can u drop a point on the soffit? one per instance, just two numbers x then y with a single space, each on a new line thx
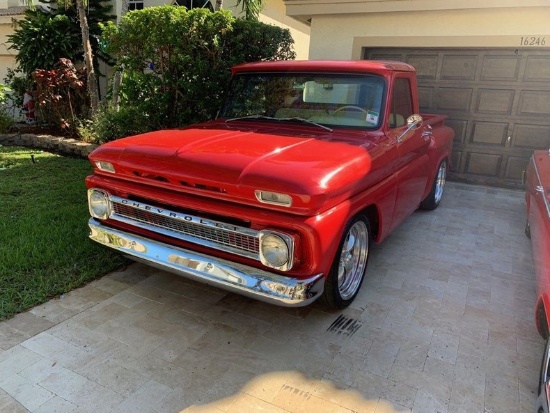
304 10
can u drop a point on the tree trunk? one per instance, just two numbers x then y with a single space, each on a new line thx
88 58
219 5
117 80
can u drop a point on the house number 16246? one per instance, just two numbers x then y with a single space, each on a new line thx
533 41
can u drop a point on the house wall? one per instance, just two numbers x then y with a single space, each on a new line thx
7 57
274 12
344 36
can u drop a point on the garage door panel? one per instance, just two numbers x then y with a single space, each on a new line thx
528 136
387 56
460 128
489 133
515 167
459 67
537 69
484 164
425 97
500 68
456 159
534 103
454 99
495 101
425 65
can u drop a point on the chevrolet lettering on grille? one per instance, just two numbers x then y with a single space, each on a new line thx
184 217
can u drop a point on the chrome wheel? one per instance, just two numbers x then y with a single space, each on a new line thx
353 260
438 185
440 182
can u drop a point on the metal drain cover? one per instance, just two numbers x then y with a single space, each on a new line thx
344 325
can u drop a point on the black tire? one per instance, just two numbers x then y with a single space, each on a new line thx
433 199
348 268
527 229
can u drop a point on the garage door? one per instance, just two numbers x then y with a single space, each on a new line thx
498 102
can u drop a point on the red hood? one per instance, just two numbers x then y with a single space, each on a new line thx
317 171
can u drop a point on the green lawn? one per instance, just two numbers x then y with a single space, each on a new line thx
44 245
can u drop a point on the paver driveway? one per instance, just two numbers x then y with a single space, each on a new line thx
443 323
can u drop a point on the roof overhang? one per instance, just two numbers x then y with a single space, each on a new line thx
304 10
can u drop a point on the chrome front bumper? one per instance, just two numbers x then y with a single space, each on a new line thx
242 279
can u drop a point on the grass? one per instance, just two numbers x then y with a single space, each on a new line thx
44 246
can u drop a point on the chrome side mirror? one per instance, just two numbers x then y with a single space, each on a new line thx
414 121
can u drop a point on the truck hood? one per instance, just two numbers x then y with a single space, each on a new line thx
316 170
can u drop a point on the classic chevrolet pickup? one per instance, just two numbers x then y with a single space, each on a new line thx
280 197
537 197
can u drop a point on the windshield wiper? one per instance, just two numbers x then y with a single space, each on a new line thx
293 119
251 117
309 122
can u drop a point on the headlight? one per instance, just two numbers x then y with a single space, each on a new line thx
99 204
276 250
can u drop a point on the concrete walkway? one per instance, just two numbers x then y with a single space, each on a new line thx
443 323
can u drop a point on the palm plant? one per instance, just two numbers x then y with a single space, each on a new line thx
251 8
93 89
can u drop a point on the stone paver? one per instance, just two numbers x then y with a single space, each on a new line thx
443 323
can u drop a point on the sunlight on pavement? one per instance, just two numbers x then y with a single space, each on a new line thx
290 391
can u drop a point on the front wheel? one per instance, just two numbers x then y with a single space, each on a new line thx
348 269
433 199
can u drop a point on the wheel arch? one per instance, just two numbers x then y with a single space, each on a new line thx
373 215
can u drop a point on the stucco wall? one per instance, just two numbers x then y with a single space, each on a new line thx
274 12
7 57
343 36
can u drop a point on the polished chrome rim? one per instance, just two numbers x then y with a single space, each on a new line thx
353 260
440 181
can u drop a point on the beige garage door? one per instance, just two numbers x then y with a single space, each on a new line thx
498 102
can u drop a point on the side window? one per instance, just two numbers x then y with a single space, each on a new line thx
401 105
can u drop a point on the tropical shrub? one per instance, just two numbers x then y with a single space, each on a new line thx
60 95
46 35
176 61
110 124
41 39
6 121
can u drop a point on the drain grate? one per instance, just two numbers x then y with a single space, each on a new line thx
344 325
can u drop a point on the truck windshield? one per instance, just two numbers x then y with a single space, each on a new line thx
334 100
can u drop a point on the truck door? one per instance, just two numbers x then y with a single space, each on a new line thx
412 166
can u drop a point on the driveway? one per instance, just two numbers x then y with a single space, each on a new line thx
443 323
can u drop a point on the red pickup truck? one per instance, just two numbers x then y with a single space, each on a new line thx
537 197
280 197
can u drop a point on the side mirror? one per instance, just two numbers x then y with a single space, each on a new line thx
414 121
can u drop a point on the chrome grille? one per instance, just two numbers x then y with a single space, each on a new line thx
191 228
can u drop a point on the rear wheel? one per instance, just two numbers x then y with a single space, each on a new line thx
436 194
348 269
